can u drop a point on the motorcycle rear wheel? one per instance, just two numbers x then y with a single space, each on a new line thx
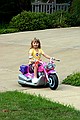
53 81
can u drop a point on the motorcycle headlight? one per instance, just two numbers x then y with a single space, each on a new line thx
51 66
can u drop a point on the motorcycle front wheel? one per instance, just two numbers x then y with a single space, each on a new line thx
53 81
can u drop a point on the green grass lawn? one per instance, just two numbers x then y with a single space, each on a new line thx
20 106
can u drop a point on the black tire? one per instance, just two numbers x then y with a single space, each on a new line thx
53 81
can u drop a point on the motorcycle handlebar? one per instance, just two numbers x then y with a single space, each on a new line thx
53 59
57 60
39 61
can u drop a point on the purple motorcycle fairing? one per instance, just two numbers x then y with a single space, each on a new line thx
23 69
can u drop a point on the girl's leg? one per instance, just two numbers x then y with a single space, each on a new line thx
35 71
35 79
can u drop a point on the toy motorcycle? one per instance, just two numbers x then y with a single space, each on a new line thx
46 74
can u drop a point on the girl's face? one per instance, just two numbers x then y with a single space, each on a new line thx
35 44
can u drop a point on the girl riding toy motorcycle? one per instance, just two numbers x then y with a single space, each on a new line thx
46 73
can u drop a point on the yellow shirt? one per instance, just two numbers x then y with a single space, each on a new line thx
36 54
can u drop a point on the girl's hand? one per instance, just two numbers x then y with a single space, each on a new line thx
52 59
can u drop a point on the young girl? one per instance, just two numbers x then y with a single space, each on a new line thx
35 53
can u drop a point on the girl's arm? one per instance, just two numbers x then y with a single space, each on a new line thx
31 59
46 56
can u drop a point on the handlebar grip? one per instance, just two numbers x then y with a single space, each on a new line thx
57 60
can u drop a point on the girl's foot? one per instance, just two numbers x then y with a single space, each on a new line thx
35 80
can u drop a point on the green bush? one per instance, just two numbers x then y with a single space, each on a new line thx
72 79
75 13
30 21
60 19
38 21
8 30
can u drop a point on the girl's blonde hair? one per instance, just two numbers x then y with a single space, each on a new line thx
35 40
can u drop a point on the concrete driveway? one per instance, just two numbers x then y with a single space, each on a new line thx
62 43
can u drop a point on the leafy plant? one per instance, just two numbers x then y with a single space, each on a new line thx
75 13
8 30
72 79
60 19
38 21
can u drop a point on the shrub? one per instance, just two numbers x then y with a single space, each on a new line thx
30 21
8 30
75 13
60 19
72 79
38 21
